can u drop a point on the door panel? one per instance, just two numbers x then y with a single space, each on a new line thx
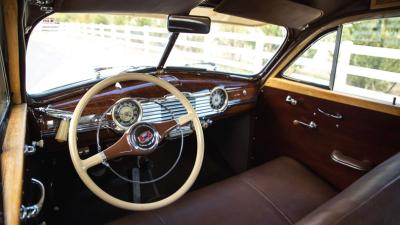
361 134
12 162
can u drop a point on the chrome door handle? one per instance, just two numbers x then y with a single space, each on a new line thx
310 125
336 115
342 159
291 100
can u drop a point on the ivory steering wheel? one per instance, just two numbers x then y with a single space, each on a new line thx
140 139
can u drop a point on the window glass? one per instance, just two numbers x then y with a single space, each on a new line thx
231 48
67 48
4 95
315 64
369 60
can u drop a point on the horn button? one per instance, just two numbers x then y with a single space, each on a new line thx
144 137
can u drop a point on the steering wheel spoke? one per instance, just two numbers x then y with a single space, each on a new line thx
164 128
185 119
121 148
93 161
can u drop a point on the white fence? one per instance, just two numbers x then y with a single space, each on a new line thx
243 58
344 68
155 39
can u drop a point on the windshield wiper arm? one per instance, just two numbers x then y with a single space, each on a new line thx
98 70
203 65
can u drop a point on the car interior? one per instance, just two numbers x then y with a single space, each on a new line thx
208 112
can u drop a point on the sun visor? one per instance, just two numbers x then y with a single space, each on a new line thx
126 6
280 12
224 18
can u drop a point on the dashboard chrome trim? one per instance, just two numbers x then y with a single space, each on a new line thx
151 110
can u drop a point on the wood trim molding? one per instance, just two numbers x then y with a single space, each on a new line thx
292 86
12 163
11 30
375 4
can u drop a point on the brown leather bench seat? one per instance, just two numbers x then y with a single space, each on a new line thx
284 192
281 191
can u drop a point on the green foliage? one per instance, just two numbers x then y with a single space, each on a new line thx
391 65
384 33
370 84
121 20
100 19
273 30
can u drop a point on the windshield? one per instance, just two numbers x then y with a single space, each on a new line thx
229 48
69 48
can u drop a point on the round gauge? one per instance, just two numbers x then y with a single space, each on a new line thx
218 99
126 112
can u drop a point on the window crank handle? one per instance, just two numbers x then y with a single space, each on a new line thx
310 125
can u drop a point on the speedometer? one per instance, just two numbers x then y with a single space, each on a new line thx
126 112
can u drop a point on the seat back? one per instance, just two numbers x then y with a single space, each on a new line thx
373 199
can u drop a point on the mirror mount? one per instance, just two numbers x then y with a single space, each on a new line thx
189 24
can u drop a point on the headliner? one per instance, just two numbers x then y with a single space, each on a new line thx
125 6
296 14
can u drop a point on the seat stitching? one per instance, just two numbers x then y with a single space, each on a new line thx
265 196
367 200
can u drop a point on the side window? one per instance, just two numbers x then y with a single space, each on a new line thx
369 60
4 94
314 65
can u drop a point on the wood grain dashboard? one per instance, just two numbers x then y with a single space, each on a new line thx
242 96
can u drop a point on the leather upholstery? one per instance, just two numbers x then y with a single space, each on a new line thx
284 192
279 192
372 200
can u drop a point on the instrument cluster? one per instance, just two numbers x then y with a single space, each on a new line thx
126 112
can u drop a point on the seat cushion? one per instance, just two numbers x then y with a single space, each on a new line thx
281 191
374 199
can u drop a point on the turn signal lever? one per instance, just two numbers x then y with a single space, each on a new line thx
29 212
65 116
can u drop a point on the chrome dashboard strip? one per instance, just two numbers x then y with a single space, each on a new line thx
152 111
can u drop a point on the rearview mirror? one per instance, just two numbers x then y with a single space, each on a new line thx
189 24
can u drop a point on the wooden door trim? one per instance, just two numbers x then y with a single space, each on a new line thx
292 86
11 31
12 163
